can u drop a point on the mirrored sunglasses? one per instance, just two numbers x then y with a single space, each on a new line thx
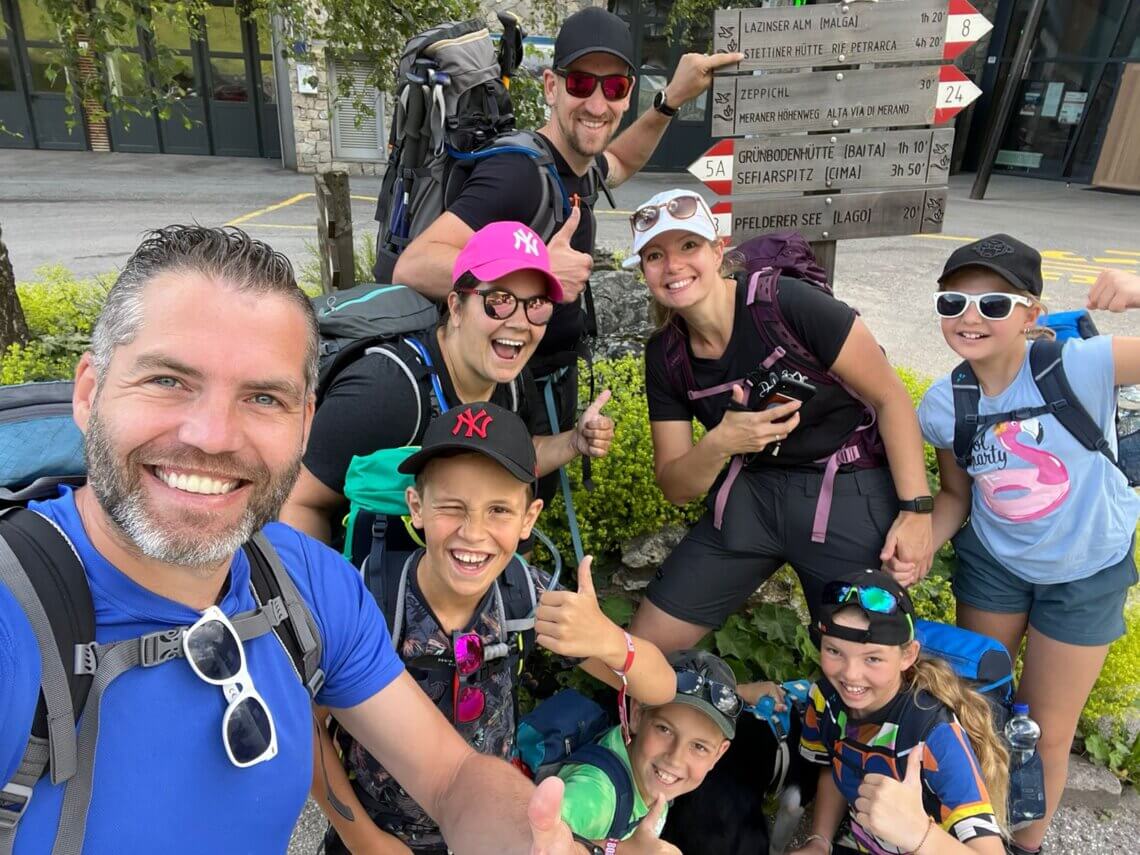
500 305
215 653
721 696
993 305
679 208
870 597
581 84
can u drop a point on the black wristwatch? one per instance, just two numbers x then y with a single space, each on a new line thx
918 505
591 847
661 107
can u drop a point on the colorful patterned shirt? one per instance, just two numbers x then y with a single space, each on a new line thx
953 789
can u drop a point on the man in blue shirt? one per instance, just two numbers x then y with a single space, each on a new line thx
196 399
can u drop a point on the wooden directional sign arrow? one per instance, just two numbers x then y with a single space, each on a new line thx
821 162
845 215
839 33
827 100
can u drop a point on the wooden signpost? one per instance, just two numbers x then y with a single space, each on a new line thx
815 128
828 100
840 34
838 217
827 162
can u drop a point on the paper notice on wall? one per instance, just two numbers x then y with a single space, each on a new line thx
1072 108
1052 100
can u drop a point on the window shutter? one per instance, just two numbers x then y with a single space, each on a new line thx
350 141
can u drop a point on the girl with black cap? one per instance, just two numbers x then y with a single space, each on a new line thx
912 754
1047 553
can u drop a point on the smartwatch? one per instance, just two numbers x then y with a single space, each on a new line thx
918 505
661 107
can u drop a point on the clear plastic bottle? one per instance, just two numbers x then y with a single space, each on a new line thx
1026 774
1128 409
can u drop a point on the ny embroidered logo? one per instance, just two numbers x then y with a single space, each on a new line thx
476 423
527 241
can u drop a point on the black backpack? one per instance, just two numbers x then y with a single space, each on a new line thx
1059 399
41 567
453 110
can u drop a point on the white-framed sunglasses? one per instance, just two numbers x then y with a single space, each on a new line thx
216 655
993 305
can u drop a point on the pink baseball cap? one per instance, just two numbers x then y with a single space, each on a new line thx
505 247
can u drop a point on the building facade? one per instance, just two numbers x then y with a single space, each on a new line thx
1077 106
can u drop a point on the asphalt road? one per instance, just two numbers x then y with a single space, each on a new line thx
87 211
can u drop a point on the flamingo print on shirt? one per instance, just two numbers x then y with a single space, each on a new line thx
1026 492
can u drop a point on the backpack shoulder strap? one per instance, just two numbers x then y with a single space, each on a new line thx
392 584
520 599
611 766
298 633
967 396
41 568
677 365
1049 374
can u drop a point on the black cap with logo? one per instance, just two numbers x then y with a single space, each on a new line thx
889 611
593 30
481 428
1017 263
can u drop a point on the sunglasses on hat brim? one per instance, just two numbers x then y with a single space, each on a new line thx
723 698
679 208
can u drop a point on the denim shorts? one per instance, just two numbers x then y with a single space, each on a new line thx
1088 612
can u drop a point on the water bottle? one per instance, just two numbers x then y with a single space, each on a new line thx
1026 775
1128 409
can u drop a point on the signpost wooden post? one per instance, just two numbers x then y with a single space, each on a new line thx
837 128
334 231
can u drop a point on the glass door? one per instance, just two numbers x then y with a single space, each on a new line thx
44 80
15 120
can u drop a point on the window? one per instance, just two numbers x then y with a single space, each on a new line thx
350 140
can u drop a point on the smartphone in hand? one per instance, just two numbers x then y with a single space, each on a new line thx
788 390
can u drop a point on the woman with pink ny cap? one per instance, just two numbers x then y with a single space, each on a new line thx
778 489
503 296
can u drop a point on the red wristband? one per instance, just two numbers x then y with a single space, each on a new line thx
628 656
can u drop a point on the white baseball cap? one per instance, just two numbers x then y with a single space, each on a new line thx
701 221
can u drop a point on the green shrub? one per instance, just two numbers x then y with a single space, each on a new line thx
626 500
1116 695
363 258
60 311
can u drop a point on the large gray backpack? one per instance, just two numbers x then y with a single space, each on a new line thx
453 110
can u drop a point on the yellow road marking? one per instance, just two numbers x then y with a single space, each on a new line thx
1122 252
363 198
946 237
614 213
278 226
1118 260
277 207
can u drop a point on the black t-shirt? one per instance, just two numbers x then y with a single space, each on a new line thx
506 187
821 322
371 405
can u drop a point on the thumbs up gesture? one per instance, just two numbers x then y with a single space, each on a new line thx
571 623
548 833
892 810
594 433
644 839
570 266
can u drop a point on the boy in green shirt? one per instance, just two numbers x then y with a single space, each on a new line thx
673 747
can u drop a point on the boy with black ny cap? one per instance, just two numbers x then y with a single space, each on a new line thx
473 498
588 90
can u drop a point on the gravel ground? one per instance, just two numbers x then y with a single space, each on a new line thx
1075 830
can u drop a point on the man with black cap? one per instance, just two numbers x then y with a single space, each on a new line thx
588 90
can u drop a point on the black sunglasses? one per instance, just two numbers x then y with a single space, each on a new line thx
581 84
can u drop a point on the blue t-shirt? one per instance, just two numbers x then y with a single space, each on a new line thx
1043 505
20 673
163 781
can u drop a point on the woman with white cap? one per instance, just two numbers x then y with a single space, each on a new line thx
789 458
